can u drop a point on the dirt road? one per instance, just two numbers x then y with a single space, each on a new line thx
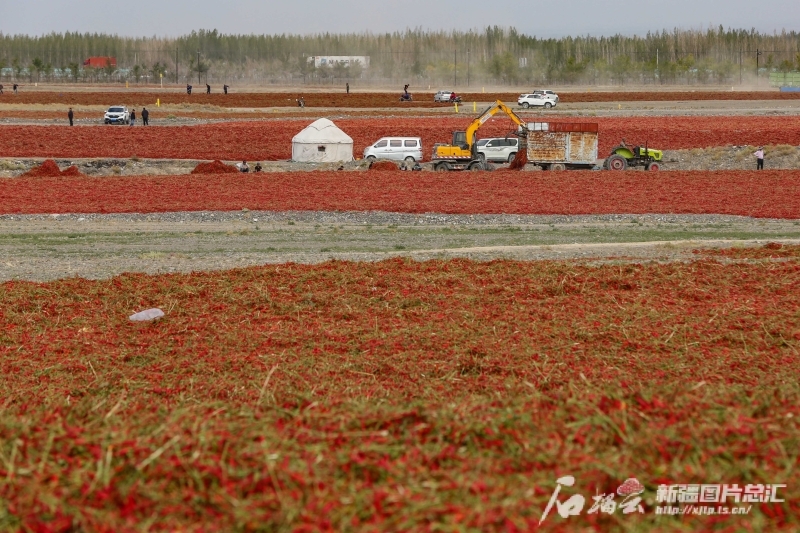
43 247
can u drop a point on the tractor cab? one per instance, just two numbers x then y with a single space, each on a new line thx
623 157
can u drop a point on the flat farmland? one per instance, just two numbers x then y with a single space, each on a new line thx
364 350
336 97
271 139
766 194
399 395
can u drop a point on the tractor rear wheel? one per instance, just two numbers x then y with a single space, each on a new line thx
476 165
442 167
653 166
616 162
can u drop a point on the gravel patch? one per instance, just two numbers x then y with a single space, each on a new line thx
716 158
387 218
97 246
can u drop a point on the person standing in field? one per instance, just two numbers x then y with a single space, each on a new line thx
133 117
208 89
145 116
347 86
15 88
70 116
1 88
759 158
225 89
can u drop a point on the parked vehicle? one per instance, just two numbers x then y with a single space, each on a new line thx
622 157
502 149
535 100
407 149
117 115
547 94
446 97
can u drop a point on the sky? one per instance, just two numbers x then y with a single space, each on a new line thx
551 18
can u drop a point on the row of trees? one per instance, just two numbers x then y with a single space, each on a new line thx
38 70
492 56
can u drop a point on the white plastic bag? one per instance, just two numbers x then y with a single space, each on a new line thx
147 314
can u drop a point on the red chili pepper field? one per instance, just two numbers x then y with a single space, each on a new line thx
342 100
766 194
401 395
272 139
397 395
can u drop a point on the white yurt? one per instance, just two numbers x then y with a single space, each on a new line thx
322 141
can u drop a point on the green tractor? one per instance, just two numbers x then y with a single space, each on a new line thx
623 157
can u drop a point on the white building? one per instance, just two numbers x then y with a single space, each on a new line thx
329 61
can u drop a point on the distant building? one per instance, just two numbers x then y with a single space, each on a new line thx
100 62
329 61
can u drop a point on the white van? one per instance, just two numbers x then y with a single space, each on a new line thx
396 148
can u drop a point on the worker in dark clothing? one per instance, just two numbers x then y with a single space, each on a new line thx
225 89
301 102
258 167
188 89
133 117
15 88
145 116
208 89
347 85
70 116
1 88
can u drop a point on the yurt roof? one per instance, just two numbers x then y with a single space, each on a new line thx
322 131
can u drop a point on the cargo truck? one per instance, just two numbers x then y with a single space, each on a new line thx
562 145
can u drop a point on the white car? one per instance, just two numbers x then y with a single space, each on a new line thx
535 100
502 149
444 96
547 94
117 114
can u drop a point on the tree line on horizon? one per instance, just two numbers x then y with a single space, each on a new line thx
496 56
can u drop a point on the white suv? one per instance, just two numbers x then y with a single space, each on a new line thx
536 100
548 94
117 114
502 149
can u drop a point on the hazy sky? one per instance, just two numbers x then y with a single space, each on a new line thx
551 18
